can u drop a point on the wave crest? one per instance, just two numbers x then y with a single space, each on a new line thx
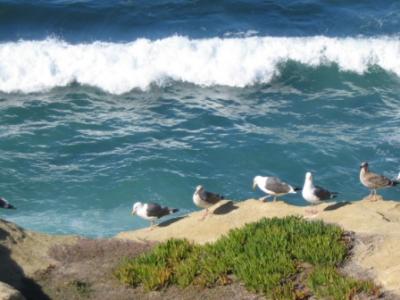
30 66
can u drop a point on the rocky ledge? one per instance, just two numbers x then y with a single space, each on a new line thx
376 225
376 253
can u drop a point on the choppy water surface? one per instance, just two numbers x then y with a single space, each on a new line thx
174 94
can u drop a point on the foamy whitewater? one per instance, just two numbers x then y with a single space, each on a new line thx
31 66
106 103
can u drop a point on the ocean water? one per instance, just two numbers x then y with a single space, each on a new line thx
104 103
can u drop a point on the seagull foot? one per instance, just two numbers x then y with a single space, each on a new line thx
312 211
264 199
310 216
203 217
374 198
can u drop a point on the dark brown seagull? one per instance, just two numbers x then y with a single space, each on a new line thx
374 181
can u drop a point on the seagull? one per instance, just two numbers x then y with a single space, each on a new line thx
273 186
204 199
151 211
315 194
374 181
4 204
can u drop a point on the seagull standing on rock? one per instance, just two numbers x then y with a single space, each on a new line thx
4 204
374 181
315 194
204 199
273 186
151 211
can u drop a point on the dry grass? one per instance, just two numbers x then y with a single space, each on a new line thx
83 269
88 249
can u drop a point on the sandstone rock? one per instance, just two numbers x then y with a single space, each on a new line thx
7 292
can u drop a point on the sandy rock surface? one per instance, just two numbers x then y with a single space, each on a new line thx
7 292
25 248
22 254
376 225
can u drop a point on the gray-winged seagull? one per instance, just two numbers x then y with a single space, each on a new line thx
4 204
273 186
315 194
204 199
374 181
151 211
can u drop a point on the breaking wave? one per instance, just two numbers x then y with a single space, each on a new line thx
32 66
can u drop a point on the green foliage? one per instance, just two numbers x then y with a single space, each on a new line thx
265 256
327 283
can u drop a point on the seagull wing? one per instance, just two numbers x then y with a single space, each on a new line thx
213 198
378 180
324 194
277 186
155 210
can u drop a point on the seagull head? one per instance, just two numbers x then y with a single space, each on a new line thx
309 177
364 165
135 207
256 181
199 189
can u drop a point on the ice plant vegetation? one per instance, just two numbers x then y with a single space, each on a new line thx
287 258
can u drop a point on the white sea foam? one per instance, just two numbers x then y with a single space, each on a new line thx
30 66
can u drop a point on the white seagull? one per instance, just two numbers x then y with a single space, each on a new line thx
4 204
204 199
151 211
273 186
315 194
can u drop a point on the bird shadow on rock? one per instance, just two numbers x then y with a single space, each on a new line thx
336 205
170 221
12 274
225 208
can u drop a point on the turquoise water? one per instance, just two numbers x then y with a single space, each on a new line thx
87 127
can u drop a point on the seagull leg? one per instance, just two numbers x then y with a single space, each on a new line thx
263 199
274 198
312 211
205 214
374 195
152 225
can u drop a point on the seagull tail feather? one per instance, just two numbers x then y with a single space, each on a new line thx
297 189
334 194
173 210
